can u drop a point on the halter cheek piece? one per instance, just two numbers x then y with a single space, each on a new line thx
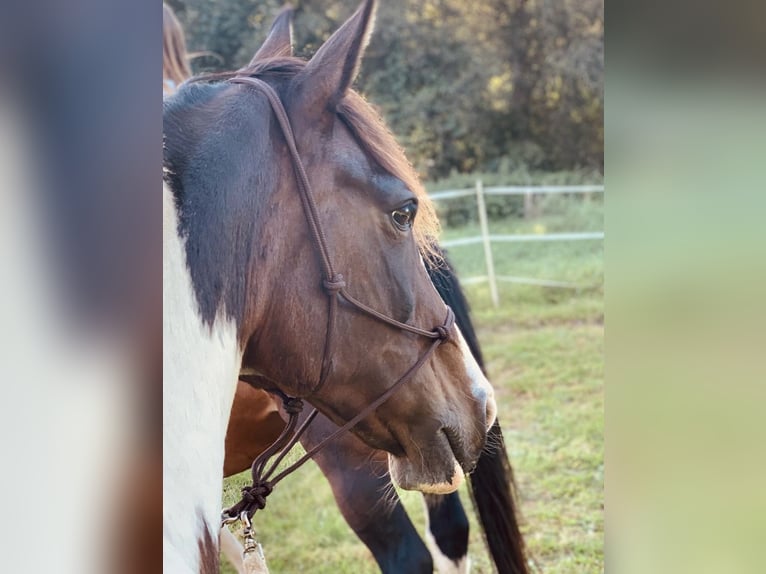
254 496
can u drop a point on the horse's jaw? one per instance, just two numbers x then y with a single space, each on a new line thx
200 366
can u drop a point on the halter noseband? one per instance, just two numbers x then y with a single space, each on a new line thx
254 496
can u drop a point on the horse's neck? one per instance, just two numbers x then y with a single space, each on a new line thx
200 366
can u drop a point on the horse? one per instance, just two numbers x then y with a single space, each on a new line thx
274 177
360 481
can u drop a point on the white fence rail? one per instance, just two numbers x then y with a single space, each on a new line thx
517 190
526 237
486 239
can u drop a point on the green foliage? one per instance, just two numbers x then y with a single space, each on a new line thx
485 85
227 32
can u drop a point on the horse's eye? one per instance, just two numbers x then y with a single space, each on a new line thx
405 215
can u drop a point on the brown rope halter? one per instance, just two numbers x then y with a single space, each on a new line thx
264 480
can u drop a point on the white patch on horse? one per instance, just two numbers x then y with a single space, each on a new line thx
444 564
480 387
200 366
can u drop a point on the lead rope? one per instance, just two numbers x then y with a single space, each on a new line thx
263 478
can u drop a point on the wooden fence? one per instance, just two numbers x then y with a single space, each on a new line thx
486 239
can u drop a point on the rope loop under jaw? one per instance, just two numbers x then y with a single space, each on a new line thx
444 332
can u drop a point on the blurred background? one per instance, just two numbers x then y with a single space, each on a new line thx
81 137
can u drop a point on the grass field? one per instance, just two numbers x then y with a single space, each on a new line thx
544 354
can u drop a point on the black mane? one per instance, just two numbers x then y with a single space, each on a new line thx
217 156
447 284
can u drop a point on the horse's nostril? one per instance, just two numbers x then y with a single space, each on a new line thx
486 402
480 395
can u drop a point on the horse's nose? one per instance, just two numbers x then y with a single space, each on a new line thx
487 410
481 389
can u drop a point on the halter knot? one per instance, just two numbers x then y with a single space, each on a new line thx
443 333
255 496
335 284
292 405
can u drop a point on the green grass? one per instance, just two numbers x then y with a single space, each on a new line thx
544 354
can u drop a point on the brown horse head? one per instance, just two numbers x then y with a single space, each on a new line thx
251 255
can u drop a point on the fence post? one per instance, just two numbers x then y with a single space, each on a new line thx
529 199
529 205
482 209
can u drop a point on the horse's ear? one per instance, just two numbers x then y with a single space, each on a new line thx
329 74
279 42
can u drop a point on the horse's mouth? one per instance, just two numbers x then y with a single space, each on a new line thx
458 450
439 469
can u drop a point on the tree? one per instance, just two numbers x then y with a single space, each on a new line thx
464 85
